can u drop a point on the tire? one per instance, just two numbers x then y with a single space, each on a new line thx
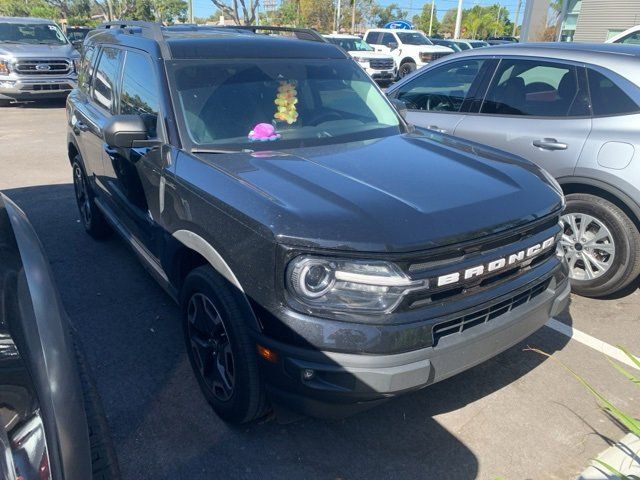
104 463
405 69
91 217
210 341
610 238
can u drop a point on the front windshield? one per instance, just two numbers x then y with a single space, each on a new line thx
413 38
278 104
352 44
31 33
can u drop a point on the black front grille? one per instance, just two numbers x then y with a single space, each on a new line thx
45 66
463 323
381 63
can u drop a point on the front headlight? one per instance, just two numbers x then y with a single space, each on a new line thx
361 59
76 64
348 285
4 67
426 57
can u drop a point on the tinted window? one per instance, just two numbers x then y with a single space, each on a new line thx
351 44
372 37
532 87
632 38
388 38
607 98
442 89
105 77
139 94
31 33
85 70
413 38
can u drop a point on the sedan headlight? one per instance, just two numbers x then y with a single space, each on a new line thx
348 285
4 67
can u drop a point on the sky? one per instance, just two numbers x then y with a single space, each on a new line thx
204 8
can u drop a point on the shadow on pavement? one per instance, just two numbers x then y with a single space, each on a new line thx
40 104
163 428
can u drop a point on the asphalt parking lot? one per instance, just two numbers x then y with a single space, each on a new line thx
516 416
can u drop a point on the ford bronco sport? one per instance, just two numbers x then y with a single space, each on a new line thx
36 60
326 255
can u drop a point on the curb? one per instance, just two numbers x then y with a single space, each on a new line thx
623 456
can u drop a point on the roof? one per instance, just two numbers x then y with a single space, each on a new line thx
569 51
393 30
342 35
26 20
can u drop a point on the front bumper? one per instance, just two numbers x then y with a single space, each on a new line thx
34 88
382 75
331 384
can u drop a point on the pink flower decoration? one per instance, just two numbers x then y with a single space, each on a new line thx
263 132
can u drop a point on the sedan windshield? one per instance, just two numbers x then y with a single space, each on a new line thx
352 44
32 33
413 38
278 104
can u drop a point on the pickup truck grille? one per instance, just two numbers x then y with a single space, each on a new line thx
44 66
381 63
463 323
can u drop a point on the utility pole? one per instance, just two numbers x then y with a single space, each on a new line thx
495 30
433 6
456 34
515 22
353 17
190 11
338 18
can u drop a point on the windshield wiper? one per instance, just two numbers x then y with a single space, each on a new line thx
207 150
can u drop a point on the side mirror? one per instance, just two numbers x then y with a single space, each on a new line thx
124 131
77 44
392 45
400 106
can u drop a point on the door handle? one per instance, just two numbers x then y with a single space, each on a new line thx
550 144
436 128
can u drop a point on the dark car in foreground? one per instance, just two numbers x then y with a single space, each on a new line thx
326 255
51 421
572 108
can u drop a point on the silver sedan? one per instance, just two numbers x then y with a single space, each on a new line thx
574 109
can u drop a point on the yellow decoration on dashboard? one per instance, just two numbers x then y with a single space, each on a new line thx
286 101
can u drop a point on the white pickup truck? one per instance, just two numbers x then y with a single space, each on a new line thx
410 49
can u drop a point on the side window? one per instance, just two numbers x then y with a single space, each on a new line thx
106 77
140 93
388 38
372 38
537 88
85 68
632 39
443 89
607 98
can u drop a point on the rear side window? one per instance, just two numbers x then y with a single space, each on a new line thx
139 94
388 38
607 98
85 70
105 78
443 89
631 39
537 88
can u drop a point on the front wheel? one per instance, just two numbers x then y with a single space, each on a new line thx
601 245
405 69
221 352
91 217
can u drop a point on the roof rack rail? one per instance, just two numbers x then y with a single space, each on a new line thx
300 33
150 30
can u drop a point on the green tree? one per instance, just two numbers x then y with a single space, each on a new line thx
318 14
28 8
423 20
448 24
384 15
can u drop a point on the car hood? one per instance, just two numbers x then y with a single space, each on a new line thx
399 193
361 54
19 50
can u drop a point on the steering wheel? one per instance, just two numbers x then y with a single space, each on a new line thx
440 103
323 117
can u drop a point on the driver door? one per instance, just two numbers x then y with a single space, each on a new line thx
438 98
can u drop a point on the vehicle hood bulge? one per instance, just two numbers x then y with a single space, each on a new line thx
37 51
400 193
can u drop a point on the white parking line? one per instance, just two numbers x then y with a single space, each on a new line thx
592 342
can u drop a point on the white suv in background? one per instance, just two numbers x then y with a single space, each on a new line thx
410 49
380 66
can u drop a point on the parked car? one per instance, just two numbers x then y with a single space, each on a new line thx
504 38
630 36
410 49
379 66
573 109
36 60
326 256
452 44
51 421
76 35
